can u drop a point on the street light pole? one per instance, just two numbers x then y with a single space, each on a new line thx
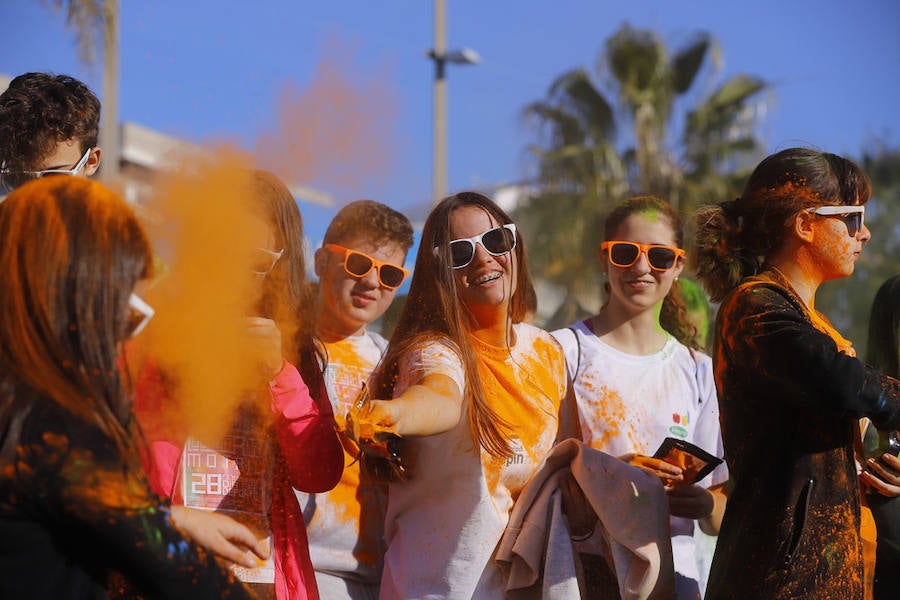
441 57
439 123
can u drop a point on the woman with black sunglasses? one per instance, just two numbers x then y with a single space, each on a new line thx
639 377
474 392
792 391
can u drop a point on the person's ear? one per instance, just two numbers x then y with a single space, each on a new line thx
319 259
802 226
604 262
679 267
93 161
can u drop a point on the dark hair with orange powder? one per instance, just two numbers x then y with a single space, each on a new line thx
434 311
71 255
673 316
735 238
883 347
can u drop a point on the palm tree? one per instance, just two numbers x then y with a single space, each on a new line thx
593 152
579 170
90 19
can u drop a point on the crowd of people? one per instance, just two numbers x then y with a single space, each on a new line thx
468 454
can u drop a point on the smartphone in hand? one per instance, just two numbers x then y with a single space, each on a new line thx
695 462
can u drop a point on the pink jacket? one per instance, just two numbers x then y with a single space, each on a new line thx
310 459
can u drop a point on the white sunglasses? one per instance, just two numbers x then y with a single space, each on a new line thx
141 315
497 241
73 171
265 261
852 216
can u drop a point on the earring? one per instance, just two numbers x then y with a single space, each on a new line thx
676 278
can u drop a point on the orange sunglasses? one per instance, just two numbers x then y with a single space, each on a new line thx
359 264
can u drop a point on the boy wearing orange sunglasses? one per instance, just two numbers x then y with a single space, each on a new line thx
360 267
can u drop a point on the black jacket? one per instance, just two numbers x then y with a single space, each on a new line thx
71 514
789 404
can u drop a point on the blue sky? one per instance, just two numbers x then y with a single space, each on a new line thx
209 70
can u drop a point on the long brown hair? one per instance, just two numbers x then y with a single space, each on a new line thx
673 316
434 311
71 254
287 295
735 238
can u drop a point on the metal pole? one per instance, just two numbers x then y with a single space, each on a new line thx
109 126
439 123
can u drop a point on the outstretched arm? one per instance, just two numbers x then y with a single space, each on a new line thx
433 405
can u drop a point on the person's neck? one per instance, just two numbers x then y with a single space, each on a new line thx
493 328
331 333
638 333
801 273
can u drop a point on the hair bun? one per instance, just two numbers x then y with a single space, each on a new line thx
730 208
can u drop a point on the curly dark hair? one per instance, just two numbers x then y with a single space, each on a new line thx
39 110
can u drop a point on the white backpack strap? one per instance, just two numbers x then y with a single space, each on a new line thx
578 345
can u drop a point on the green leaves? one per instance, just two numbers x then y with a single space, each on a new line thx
591 152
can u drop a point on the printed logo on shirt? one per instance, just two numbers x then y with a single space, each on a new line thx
680 427
516 459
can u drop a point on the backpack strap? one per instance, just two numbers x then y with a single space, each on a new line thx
578 345
696 358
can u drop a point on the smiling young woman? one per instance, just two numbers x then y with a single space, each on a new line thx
475 392
638 375
791 388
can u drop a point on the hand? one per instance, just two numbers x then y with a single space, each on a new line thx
221 535
886 477
690 501
376 417
668 473
264 343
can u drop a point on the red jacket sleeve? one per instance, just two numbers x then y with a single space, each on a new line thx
159 419
314 457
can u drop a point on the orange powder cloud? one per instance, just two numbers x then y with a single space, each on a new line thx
337 131
209 232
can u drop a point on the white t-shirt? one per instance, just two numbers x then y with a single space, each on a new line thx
345 525
444 524
630 404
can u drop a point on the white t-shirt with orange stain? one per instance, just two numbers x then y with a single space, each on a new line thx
630 404
345 525
444 524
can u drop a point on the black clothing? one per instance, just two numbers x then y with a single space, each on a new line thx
72 513
789 404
